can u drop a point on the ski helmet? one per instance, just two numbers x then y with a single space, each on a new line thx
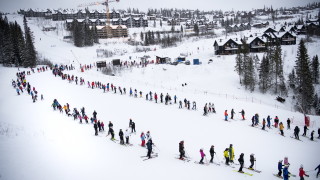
301 166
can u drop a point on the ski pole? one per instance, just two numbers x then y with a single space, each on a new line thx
206 159
156 147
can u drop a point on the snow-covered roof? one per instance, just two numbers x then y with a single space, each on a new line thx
250 39
300 26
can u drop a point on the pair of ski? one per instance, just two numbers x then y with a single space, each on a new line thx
185 159
151 157
243 173
281 177
296 138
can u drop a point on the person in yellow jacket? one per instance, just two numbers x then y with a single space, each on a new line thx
281 127
226 155
231 153
65 109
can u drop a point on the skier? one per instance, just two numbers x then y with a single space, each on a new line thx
296 132
127 134
311 138
95 126
252 160
181 150
231 153
285 173
133 127
281 127
226 115
202 156
205 110
276 121
102 124
99 125
180 104
143 139
305 128
121 137
94 114
149 147
302 173
242 114
256 118
156 97
241 161
268 121
252 120
194 106
212 152
175 99
161 97
213 109
148 136
130 122
263 124
318 167
288 123
226 156
232 113
110 125
280 168
112 133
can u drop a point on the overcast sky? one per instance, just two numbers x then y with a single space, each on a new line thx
13 5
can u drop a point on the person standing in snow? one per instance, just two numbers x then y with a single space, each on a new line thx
226 156
280 168
133 127
156 97
252 160
242 114
226 115
130 122
161 97
175 99
288 123
241 161
232 113
231 153
127 134
202 156
256 118
311 138
180 104
95 126
296 132
285 173
110 125
194 106
102 125
305 128
181 150
112 133
268 121
302 173
121 137
281 127
94 114
276 121
212 152
263 124
143 139
149 147
205 110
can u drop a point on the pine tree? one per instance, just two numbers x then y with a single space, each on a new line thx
278 69
239 63
315 69
248 69
292 79
264 74
160 23
141 36
18 44
305 87
7 44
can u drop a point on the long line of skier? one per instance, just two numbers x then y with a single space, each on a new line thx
150 96
21 84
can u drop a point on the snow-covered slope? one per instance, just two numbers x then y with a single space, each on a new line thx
39 143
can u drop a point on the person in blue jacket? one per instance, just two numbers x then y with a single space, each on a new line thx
318 170
285 173
280 168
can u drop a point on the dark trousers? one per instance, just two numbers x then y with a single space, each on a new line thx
281 132
133 129
121 140
212 156
252 163
96 132
296 136
263 126
280 172
149 153
241 166
227 160
201 161
127 140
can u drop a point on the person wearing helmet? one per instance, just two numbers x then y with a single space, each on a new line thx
143 139
202 156
252 160
231 153
302 173
121 137
280 168
212 152
181 150
226 156
241 161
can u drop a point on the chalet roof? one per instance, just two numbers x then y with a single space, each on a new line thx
300 26
280 34
249 40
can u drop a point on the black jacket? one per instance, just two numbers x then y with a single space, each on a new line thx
241 159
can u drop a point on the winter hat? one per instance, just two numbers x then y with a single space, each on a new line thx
301 166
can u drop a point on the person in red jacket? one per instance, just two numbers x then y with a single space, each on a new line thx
226 115
302 173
